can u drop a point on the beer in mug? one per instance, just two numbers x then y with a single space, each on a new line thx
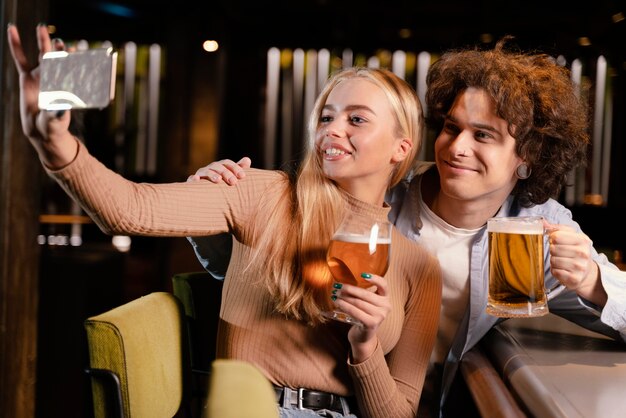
516 267
350 255
360 245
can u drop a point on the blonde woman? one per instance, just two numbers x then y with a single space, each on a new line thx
364 133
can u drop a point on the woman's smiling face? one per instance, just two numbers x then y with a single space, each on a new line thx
357 137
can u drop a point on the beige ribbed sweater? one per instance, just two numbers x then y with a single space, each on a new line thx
289 352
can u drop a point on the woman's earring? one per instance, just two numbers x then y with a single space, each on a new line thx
523 171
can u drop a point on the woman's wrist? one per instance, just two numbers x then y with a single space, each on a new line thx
58 153
363 351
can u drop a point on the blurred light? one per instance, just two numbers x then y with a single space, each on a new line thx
57 240
52 29
116 9
286 57
210 46
398 64
121 242
41 239
82 45
584 41
486 38
336 62
384 57
560 60
76 241
347 58
405 33
593 199
360 60
617 17
373 62
411 62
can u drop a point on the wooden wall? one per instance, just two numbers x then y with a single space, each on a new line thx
19 203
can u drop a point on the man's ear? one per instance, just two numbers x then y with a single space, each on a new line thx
403 150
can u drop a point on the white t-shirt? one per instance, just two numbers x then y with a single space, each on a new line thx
452 246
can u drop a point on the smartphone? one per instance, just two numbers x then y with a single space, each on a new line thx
77 80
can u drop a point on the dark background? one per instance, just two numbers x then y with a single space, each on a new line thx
435 25
246 29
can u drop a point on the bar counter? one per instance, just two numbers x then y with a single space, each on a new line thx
547 367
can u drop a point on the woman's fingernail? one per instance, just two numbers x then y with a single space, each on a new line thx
366 275
333 298
334 292
337 285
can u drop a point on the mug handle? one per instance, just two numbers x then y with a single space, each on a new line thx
554 292
558 288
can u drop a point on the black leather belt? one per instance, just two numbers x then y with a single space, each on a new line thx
311 399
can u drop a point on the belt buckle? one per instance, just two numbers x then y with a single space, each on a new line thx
300 398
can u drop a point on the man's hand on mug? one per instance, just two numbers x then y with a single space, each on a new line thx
224 170
571 263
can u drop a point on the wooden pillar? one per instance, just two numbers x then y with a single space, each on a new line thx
20 175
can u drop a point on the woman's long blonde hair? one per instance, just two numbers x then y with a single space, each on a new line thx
292 260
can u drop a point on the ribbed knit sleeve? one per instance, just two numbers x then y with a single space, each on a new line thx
389 383
119 206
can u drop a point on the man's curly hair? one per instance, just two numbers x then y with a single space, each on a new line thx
534 95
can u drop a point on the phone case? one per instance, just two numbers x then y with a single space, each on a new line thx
77 80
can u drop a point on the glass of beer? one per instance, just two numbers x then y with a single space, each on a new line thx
360 245
516 267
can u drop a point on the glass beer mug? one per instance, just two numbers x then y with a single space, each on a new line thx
360 245
516 267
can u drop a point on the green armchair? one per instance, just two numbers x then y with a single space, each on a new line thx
139 359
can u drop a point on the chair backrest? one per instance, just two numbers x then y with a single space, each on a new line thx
143 345
239 390
236 389
201 296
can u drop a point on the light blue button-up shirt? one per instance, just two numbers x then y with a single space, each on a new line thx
609 320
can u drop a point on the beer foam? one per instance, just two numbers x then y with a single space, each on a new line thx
503 225
360 239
